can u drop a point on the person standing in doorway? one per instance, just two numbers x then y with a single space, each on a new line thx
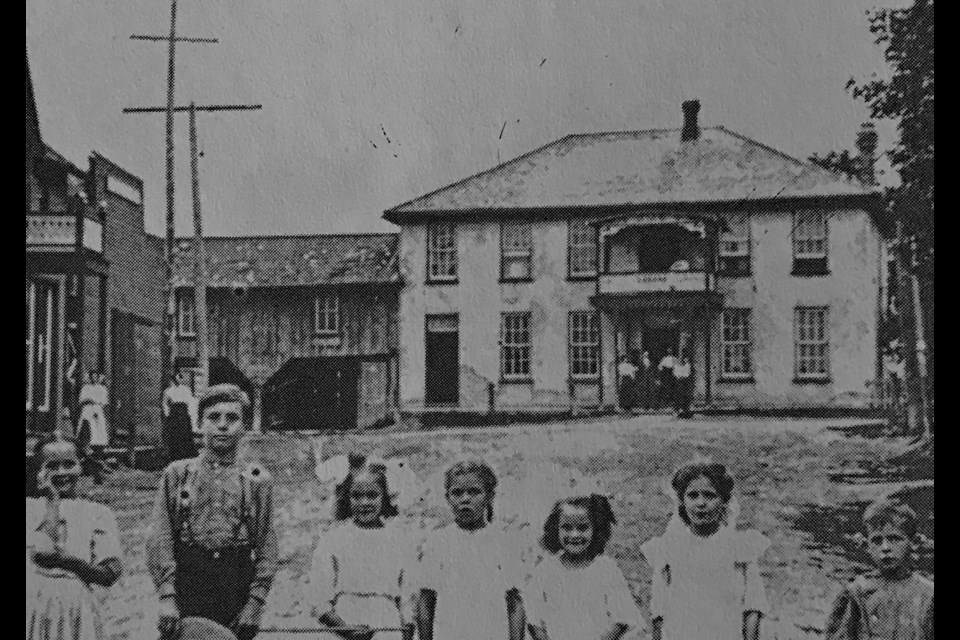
178 419
646 381
682 387
627 372
212 547
667 381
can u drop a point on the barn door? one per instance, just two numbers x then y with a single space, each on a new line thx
443 359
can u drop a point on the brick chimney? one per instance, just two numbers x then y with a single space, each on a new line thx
867 156
691 127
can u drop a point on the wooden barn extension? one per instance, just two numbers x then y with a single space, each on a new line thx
307 324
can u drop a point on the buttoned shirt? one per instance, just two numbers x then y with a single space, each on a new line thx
206 503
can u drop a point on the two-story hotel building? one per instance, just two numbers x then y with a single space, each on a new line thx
524 284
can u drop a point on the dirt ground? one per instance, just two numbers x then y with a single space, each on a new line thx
783 471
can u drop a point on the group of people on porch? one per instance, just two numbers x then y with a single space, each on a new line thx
646 385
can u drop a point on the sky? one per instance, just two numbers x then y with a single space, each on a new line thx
370 103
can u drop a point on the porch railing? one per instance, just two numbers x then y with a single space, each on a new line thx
58 232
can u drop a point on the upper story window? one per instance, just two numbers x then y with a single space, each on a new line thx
516 251
515 346
581 249
736 343
441 253
810 243
734 252
811 343
326 314
186 314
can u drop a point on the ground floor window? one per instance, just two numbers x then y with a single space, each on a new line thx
515 346
735 340
811 343
584 344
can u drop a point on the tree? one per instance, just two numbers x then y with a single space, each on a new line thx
907 38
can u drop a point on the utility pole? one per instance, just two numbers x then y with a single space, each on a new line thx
167 355
200 261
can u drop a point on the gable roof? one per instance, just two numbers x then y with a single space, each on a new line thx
32 119
634 168
291 261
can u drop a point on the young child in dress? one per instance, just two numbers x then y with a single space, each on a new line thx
578 593
359 576
72 546
706 580
895 602
470 574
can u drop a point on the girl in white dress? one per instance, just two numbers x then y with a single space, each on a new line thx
706 578
470 572
578 592
73 550
359 576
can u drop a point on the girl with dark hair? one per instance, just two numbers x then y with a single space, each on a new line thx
359 576
470 573
706 578
579 593
73 549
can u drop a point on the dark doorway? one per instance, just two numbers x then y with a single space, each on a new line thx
311 394
442 360
122 380
658 342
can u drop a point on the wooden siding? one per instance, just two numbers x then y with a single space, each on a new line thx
261 329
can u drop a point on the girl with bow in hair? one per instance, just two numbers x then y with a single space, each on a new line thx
578 592
359 579
706 578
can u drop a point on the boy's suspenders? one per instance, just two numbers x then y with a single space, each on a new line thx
180 514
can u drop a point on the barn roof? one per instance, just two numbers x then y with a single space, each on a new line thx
291 261
626 168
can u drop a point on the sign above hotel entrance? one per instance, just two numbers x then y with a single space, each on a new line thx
655 282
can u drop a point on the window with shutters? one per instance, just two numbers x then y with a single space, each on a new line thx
515 346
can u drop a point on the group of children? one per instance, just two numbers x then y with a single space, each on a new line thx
469 580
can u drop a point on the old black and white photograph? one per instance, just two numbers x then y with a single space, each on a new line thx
479 320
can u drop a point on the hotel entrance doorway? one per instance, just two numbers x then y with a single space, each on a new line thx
658 342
